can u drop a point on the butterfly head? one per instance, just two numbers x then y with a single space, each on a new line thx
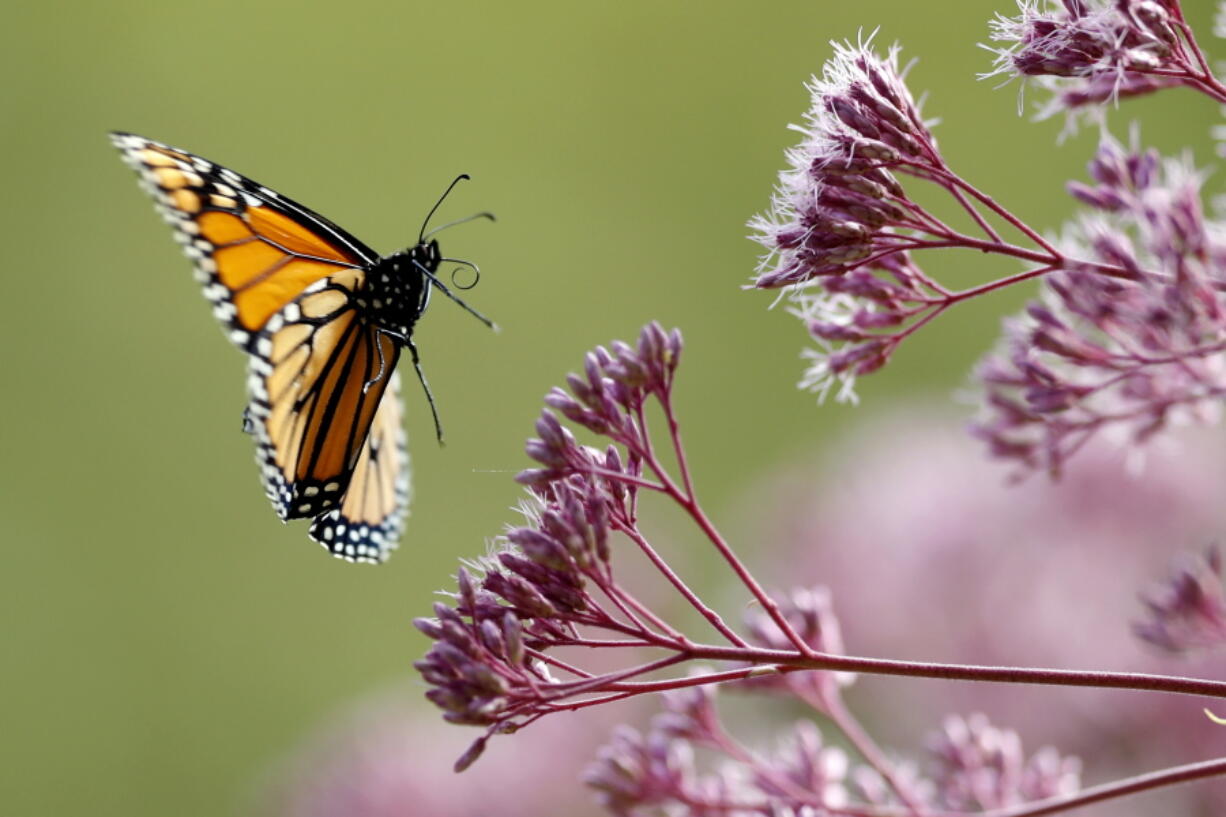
417 266
427 254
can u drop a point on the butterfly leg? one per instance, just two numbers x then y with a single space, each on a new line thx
382 367
438 427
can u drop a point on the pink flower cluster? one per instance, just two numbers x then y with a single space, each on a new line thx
551 581
1128 333
1091 52
1137 350
968 766
547 623
1189 611
979 767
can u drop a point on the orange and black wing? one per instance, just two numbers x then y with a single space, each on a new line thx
368 523
254 250
319 382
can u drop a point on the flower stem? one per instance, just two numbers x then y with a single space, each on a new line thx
688 501
956 182
1119 788
690 596
832 705
783 661
624 599
696 513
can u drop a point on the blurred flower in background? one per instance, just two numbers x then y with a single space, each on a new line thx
931 556
977 767
1187 612
1134 353
391 756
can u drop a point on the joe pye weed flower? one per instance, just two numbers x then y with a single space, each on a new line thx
1126 338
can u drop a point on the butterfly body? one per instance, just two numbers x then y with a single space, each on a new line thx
323 319
398 290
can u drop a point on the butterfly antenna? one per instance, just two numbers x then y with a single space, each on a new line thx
421 376
465 220
421 235
476 272
455 297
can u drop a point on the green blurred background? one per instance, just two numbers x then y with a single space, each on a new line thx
166 640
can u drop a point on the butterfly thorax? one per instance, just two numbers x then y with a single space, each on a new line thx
398 288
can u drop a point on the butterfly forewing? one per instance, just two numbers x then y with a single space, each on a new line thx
254 250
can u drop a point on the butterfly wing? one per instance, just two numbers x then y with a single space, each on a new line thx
254 250
368 523
320 370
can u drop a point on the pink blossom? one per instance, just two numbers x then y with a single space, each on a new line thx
1128 354
1188 612
1091 52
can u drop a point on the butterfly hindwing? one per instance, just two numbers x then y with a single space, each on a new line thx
367 525
318 371
254 250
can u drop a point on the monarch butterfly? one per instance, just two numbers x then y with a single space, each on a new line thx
322 318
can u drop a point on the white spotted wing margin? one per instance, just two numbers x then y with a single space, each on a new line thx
253 249
326 414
